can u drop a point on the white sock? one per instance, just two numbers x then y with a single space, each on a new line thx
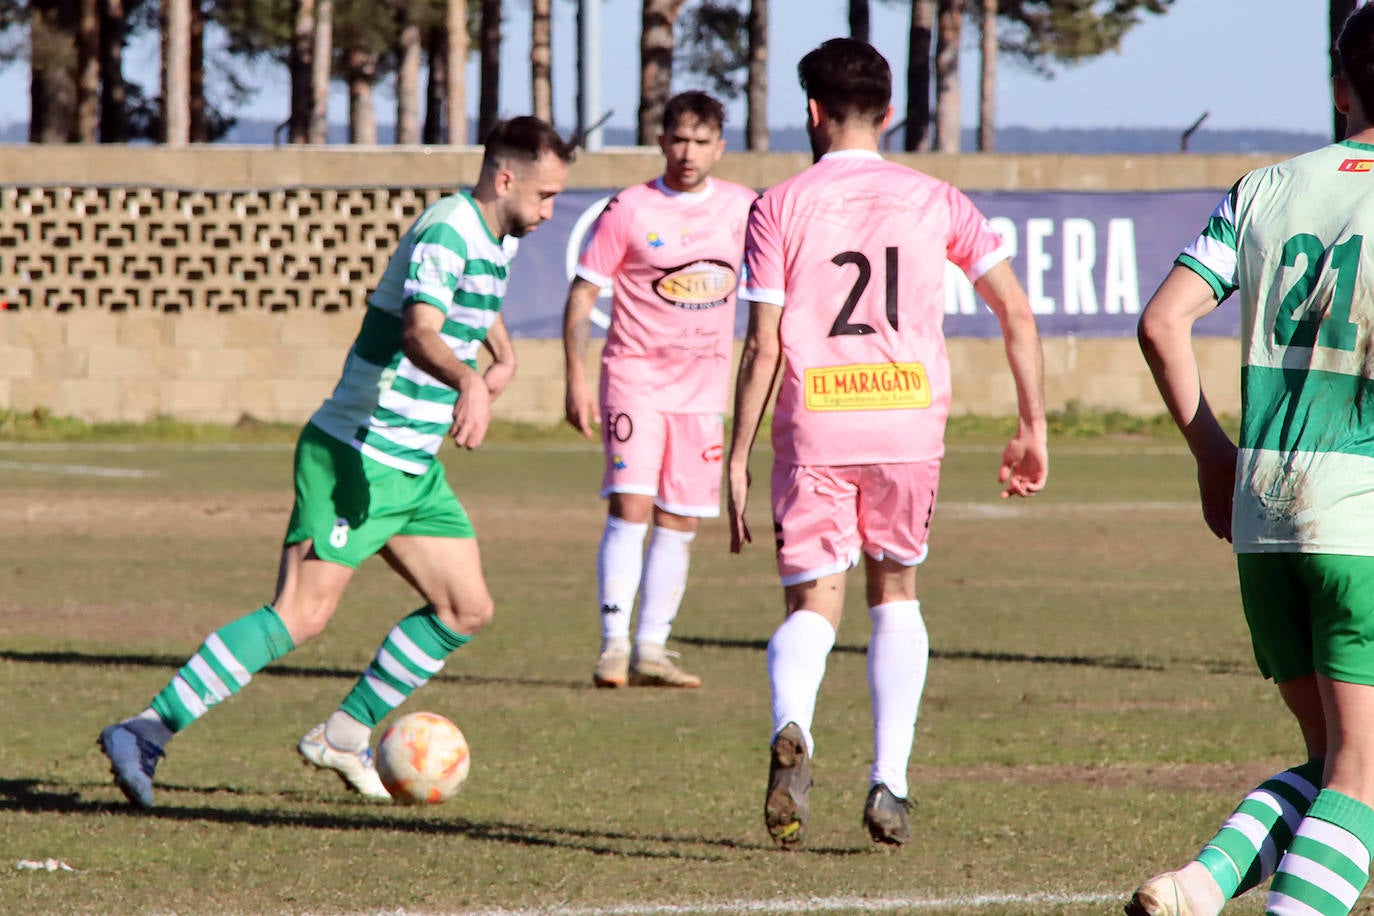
149 726
665 579
796 666
619 561
346 733
898 655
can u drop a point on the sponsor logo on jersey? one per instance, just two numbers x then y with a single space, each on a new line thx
654 240
1356 165
697 286
877 386
618 463
713 453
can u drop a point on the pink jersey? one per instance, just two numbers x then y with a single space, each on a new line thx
854 250
674 261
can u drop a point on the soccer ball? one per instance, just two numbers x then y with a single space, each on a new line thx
422 759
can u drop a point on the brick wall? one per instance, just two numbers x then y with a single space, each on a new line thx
274 250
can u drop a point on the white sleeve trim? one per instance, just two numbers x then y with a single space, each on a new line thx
988 261
757 294
591 276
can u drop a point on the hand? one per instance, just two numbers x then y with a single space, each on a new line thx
472 413
497 377
739 493
579 407
1216 480
1025 464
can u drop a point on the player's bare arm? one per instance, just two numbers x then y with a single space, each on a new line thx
579 403
422 345
758 369
1166 338
502 349
1025 460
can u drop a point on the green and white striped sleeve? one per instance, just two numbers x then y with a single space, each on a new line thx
1212 255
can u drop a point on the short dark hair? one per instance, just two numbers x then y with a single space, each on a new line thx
848 78
1355 48
696 103
524 139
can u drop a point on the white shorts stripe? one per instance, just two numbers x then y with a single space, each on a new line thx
689 511
813 574
388 694
388 663
228 660
188 697
209 678
414 653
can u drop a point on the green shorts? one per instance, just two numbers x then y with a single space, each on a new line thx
1310 612
351 505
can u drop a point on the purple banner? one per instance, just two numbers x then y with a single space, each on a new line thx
1088 261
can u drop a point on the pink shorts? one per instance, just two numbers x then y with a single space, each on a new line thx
673 457
824 515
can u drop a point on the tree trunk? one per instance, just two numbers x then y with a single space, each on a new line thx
917 133
52 57
541 58
455 92
948 21
361 67
321 61
197 115
756 118
655 65
114 127
436 51
858 19
987 83
489 101
176 72
1340 10
87 72
299 60
408 81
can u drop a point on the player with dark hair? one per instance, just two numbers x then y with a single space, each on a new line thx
366 478
845 267
671 249
1295 497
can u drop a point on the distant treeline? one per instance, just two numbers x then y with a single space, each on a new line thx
1096 141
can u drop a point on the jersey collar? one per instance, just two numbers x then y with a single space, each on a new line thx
851 154
704 193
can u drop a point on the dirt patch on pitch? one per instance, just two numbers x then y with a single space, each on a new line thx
54 512
51 512
1202 777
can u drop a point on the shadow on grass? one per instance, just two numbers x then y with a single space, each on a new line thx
173 662
1122 662
33 797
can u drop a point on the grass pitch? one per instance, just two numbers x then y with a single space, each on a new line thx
1091 715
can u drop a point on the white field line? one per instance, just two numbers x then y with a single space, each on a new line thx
796 905
77 470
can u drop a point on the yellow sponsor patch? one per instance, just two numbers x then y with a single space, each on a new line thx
880 386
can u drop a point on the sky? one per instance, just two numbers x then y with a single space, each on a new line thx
1245 63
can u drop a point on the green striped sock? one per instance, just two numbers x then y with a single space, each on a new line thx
1247 849
1327 865
412 653
223 666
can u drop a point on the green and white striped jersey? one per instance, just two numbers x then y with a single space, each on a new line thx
384 405
1296 241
